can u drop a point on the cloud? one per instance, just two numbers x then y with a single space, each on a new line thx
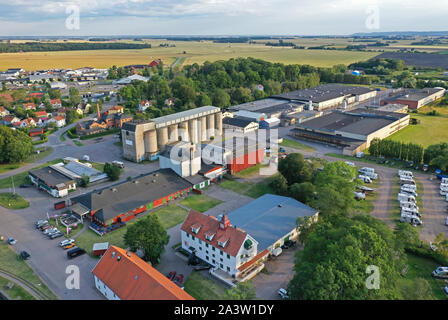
220 16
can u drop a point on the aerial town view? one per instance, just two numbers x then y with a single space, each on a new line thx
219 151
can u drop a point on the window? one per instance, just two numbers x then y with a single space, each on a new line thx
220 252
200 248
200 241
206 257
206 251
221 266
213 261
188 235
228 256
221 259
228 269
213 248
206 245
213 255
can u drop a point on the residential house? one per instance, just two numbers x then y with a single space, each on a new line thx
59 120
144 105
122 275
83 107
29 106
62 112
9 119
169 102
56 103
3 112
90 127
155 63
115 109
41 114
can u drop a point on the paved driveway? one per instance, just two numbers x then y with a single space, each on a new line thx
280 270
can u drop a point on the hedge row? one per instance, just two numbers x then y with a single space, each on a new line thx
426 252
100 134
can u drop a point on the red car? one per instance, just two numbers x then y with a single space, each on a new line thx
171 275
179 279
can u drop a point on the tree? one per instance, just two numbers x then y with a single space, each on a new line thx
15 145
303 192
113 172
334 262
149 235
295 169
221 98
71 116
242 291
279 184
75 98
85 181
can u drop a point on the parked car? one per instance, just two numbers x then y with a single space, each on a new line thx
446 222
290 243
66 242
12 241
445 289
25 185
171 275
68 246
25 255
283 293
179 279
56 235
75 252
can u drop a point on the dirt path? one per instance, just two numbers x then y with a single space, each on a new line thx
381 207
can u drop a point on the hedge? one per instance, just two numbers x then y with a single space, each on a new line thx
100 134
426 252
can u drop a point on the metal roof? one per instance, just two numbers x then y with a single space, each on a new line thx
269 218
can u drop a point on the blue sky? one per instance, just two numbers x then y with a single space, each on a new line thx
221 17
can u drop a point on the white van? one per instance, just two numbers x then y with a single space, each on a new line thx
278 251
410 212
440 272
443 186
365 170
407 181
405 173
412 187
408 205
444 180
366 179
410 219
118 164
444 193
406 198
410 192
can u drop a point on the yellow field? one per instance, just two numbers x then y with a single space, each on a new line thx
198 52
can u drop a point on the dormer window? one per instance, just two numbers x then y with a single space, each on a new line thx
195 228
222 243
209 236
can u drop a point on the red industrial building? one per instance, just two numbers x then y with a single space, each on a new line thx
244 157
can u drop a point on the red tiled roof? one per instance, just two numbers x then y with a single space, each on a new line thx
40 113
251 262
55 101
58 118
8 118
7 96
210 224
131 278
29 105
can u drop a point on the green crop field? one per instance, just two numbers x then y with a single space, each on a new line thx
430 130
189 52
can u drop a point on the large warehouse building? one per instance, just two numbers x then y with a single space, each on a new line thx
354 130
416 99
329 95
145 139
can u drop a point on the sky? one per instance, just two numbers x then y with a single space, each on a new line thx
218 17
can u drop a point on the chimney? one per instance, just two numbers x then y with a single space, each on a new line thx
98 110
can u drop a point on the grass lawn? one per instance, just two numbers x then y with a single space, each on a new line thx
421 268
296 145
202 288
16 292
430 130
367 205
11 262
170 216
13 202
200 203
22 177
254 170
43 152
253 190
79 144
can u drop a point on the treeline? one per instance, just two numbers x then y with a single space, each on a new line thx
435 155
226 83
68 46
15 145
397 149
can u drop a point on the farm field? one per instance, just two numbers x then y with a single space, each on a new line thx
195 52
430 130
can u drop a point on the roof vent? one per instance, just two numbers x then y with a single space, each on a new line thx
114 189
280 205
118 258
153 181
113 254
136 181
128 253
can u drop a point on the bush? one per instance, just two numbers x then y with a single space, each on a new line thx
100 134
426 252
